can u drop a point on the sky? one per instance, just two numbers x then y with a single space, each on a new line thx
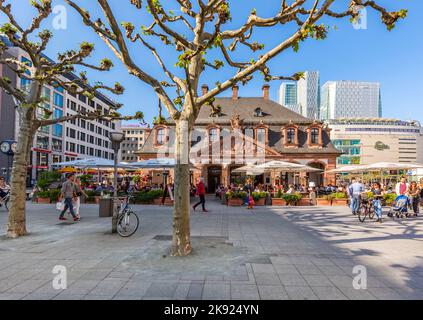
373 54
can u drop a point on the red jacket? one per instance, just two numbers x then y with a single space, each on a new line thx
201 189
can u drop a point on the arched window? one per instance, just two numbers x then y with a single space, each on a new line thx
314 135
290 136
213 134
261 135
160 136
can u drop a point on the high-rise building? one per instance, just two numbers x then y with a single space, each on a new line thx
288 96
308 94
135 136
350 99
63 141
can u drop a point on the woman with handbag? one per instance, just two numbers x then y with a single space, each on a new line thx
79 192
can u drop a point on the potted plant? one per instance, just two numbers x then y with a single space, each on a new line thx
236 198
156 196
292 198
325 200
54 195
278 199
259 198
304 201
43 197
339 199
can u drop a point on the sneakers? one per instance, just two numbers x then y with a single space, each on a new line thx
193 208
63 218
205 210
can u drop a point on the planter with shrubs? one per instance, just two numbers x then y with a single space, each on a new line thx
339 199
278 199
43 197
292 199
236 198
324 200
259 198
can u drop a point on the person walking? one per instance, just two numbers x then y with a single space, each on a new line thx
421 191
401 187
377 200
201 192
414 196
69 194
354 191
79 193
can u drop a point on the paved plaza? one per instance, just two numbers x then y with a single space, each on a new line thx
265 253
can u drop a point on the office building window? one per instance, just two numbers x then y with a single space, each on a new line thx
58 100
57 130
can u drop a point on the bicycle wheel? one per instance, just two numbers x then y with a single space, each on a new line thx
362 213
127 224
371 212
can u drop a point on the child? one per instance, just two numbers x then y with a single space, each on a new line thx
250 202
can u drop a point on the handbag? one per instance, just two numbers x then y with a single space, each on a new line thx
60 205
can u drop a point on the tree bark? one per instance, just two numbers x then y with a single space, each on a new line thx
181 242
17 221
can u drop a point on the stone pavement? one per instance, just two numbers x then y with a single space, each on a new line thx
265 253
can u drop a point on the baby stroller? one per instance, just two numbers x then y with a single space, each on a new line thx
400 207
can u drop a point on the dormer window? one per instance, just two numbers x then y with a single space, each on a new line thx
213 135
261 135
290 136
258 112
314 135
160 136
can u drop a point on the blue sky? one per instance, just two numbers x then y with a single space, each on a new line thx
392 58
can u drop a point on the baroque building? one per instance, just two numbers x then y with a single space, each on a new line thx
236 131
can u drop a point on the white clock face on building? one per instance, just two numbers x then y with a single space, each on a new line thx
5 147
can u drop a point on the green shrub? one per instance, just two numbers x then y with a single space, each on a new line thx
43 194
259 195
236 195
291 198
279 194
339 195
54 194
85 179
156 194
389 198
46 178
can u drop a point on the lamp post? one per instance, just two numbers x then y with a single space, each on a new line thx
116 138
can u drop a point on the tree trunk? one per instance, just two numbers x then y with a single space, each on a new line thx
17 222
181 242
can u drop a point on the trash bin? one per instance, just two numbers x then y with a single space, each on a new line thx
105 208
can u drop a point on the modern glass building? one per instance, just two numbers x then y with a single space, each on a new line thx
288 96
350 99
308 94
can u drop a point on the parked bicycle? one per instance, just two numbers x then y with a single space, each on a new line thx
128 221
5 200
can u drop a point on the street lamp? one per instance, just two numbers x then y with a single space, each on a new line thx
116 138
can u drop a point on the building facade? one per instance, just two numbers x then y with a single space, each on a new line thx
366 141
64 141
308 96
135 136
248 130
350 99
288 96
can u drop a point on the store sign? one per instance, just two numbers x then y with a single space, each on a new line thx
380 146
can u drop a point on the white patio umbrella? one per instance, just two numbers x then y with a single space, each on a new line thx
93 163
381 167
347 169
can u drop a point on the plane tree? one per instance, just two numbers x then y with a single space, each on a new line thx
39 71
201 36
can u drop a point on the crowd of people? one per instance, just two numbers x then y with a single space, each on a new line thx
413 191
